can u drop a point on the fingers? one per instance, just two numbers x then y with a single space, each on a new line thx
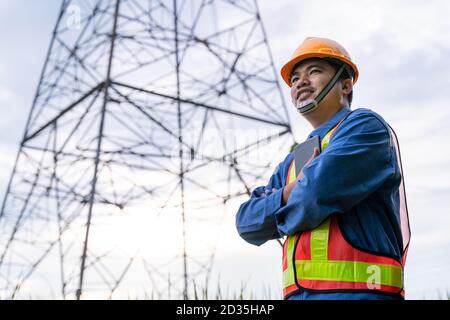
316 152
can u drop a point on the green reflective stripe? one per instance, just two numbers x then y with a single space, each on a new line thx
288 278
326 140
319 241
288 274
319 236
350 271
292 173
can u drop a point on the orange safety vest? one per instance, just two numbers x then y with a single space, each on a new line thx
322 259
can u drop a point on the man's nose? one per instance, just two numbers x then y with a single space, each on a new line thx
302 81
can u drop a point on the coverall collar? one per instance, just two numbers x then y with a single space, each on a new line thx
327 126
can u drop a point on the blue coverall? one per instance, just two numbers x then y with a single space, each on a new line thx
357 177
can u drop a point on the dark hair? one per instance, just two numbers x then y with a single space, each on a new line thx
347 74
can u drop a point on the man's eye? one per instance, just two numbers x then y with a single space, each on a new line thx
315 71
294 79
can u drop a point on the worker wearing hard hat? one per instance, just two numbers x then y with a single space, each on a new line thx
344 216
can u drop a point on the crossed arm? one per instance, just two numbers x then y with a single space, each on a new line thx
355 165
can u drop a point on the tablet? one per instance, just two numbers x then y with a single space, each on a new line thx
304 151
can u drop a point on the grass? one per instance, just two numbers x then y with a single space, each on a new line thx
202 293
443 295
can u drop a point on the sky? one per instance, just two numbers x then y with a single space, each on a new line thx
401 49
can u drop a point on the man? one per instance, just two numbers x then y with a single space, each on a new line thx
344 216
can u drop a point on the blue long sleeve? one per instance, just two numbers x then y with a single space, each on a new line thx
356 163
255 219
356 176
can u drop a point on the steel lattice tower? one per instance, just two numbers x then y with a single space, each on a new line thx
132 148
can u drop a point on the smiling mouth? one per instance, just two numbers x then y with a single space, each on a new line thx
304 95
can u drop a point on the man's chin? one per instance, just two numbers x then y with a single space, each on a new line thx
302 104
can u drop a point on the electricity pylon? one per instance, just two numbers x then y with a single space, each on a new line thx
149 118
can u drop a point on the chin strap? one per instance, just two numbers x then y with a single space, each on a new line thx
315 102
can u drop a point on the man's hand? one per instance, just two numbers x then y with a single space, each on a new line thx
288 189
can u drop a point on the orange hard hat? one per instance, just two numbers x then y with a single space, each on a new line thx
313 47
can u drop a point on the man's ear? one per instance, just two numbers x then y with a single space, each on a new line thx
347 86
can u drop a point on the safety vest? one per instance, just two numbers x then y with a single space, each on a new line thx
323 260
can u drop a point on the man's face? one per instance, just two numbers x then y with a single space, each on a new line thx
308 79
